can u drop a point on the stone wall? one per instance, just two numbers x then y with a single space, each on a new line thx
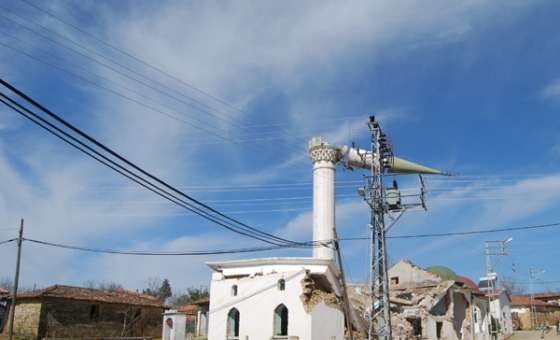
67 319
63 318
549 318
26 321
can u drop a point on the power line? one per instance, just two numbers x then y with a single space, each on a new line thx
122 95
203 212
535 282
462 233
167 111
123 171
145 63
8 241
130 55
274 247
147 83
162 253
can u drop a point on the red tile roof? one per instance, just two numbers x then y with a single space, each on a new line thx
525 301
188 309
468 282
548 295
89 294
3 291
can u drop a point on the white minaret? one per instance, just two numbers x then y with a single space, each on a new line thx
324 157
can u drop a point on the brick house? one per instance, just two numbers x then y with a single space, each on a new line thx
73 312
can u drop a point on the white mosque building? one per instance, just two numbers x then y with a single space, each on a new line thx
289 297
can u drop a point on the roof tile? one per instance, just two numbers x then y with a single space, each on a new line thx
89 294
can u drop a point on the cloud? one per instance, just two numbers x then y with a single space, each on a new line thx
552 90
237 52
485 203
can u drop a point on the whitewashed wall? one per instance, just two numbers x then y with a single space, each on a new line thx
258 295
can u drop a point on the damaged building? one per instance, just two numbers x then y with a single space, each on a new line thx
426 306
275 298
294 297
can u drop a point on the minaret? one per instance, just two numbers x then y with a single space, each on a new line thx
324 157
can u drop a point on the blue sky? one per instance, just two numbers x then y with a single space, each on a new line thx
472 87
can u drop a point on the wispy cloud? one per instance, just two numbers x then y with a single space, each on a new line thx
236 52
552 90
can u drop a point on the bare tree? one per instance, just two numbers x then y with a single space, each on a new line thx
109 286
153 286
6 283
513 287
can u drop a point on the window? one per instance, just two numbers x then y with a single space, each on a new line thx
281 321
234 290
94 312
233 324
281 284
439 326
394 281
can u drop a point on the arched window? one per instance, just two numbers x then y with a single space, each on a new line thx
234 290
281 284
233 324
281 321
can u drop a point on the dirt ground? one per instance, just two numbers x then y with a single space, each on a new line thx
534 335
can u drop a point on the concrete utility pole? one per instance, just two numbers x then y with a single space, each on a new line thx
493 248
533 273
16 283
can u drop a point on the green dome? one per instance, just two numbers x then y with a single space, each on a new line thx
443 272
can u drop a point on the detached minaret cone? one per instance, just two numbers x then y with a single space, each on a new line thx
324 157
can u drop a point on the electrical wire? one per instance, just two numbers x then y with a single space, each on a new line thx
248 231
102 159
148 81
122 95
161 253
274 247
144 80
130 55
462 233
8 241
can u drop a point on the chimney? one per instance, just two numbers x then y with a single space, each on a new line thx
324 157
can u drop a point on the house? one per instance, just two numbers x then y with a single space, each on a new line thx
194 317
545 312
197 317
550 297
72 312
426 306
